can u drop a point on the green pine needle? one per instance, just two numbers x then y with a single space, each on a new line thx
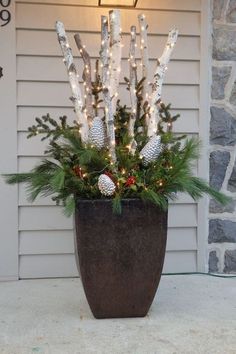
116 204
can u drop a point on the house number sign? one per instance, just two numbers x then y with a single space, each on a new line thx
5 15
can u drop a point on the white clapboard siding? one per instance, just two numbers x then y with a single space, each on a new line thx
181 260
47 265
27 44
45 235
58 93
79 19
28 70
184 5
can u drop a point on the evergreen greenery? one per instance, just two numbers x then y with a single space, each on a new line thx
70 170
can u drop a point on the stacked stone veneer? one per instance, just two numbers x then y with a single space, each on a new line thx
222 221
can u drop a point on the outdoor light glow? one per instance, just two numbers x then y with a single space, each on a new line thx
117 3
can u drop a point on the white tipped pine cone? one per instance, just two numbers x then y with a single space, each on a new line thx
106 185
151 150
96 133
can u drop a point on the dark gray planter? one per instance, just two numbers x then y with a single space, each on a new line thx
120 256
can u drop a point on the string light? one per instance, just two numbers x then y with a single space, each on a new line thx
142 28
123 171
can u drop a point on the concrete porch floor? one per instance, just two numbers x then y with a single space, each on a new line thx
190 314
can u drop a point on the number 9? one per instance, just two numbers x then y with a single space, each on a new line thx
8 2
5 16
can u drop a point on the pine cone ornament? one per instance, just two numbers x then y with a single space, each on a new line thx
151 150
96 134
106 185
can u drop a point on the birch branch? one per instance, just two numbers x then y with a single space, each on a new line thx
104 57
132 87
86 77
158 80
115 61
73 80
144 54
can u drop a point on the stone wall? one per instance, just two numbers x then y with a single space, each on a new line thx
222 220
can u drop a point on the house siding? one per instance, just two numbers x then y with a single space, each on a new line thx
45 235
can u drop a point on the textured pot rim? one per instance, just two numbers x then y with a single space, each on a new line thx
107 200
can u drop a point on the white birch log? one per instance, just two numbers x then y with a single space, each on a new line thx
86 78
158 81
132 87
115 55
144 54
73 80
104 57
